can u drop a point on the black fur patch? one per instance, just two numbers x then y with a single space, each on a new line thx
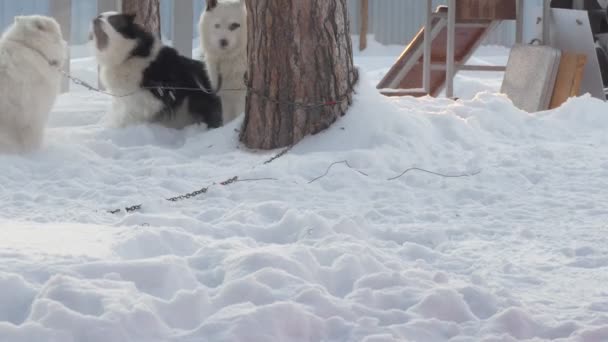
211 4
169 69
126 26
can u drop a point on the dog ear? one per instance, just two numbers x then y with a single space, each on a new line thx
18 19
211 4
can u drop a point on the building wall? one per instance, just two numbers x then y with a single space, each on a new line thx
392 21
398 21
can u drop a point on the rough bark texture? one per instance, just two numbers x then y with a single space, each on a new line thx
147 11
299 52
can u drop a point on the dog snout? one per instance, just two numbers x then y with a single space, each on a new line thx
224 43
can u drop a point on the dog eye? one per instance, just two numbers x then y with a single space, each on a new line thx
40 27
234 26
217 26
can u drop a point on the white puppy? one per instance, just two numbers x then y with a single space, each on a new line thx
31 52
223 30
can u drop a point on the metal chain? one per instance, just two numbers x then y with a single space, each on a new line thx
282 153
204 190
341 99
346 97
90 87
188 195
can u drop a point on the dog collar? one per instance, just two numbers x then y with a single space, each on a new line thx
52 62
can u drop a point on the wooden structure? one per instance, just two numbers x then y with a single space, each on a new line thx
569 78
442 47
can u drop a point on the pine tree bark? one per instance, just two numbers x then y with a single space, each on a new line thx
147 11
300 52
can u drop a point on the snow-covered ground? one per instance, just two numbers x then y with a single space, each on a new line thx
516 252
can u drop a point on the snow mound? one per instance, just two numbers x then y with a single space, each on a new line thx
514 250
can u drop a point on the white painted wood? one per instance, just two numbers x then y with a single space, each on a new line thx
450 69
426 67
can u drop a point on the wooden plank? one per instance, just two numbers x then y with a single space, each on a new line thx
61 10
467 40
183 21
407 72
569 78
364 25
580 73
486 9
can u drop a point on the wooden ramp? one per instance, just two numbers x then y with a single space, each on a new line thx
406 76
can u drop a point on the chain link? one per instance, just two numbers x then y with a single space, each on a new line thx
346 97
204 190
188 195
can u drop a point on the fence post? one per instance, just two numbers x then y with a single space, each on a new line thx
364 26
183 21
61 10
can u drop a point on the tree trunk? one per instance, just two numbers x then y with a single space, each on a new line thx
147 11
301 73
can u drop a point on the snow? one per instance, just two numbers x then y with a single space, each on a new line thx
515 252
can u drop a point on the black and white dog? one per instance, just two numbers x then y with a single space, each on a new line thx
151 82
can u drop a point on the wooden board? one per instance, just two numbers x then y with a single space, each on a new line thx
364 25
569 78
486 9
407 75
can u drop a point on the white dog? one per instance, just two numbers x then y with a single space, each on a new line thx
223 30
31 52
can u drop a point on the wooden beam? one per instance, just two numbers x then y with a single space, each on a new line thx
364 24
